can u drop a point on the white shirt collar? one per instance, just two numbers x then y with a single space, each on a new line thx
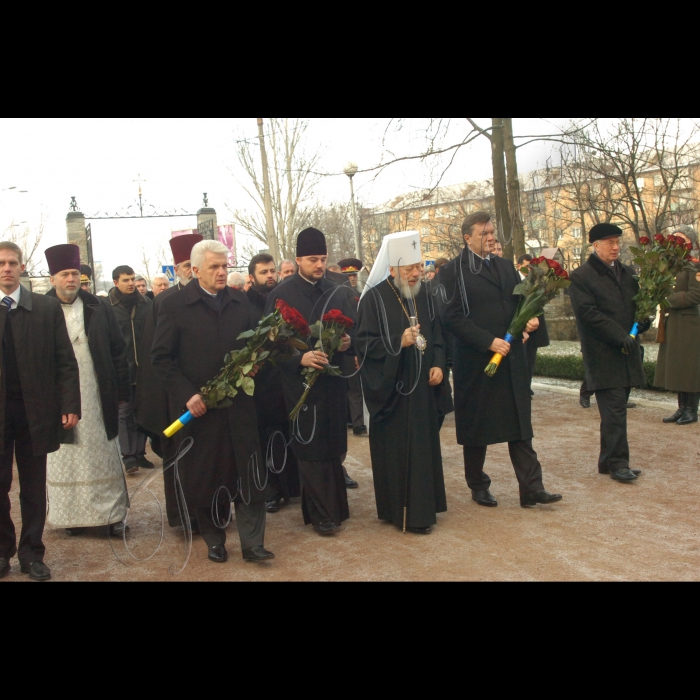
14 296
313 284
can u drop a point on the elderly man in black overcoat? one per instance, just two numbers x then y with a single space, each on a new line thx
196 329
151 398
489 410
321 440
602 296
39 401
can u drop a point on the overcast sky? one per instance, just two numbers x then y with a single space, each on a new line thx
99 161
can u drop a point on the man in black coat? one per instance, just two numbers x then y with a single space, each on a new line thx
39 401
131 309
539 338
602 296
489 410
272 411
151 399
196 329
86 486
320 439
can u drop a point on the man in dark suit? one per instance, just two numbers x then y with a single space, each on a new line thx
539 338
39 399
489 410
602 296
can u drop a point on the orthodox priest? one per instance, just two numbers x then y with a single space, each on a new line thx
196 329
85 479
320 439
151 407
404 357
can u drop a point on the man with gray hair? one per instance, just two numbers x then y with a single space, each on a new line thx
236 280
195 331
287 269
141 285
159 284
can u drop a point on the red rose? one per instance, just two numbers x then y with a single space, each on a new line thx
644 240
688 246
659 238
537 261
336 316
293 317
672 240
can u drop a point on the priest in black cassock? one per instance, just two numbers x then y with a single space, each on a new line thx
402 364
320 439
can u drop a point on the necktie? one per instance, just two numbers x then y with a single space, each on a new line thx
8 302
487 262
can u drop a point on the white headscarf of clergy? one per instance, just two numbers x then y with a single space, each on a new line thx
398 249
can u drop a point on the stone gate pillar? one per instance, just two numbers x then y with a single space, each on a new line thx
75 228
206 222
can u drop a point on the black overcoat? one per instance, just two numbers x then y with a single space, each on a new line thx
404 432
605 312
479 308
47 368
151 398
108 351
132 323
191 340
327 400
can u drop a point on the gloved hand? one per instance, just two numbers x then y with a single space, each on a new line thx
644 326
629 345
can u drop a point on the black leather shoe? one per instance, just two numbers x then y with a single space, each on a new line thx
272 506
604 470
530 500
118 529
674 418
37 570
585 401
689 416
144 463
631 405
350 483
361 430
74 531
131 466
257 554
4 567
218 554
623 475
484 498
419 530
327 527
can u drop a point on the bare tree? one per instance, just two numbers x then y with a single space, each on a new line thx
293 178
28 240
335 220
151 263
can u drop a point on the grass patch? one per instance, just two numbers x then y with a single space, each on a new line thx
571 367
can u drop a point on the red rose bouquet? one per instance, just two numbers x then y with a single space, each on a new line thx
544 278
659 263
280 333
328 332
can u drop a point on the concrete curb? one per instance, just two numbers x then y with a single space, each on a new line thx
647 403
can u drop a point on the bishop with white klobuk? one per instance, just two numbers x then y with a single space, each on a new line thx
402 372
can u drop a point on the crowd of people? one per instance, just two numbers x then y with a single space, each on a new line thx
88 382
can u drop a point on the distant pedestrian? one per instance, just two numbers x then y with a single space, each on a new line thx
237 280
141 285
287 269
159 284
39 403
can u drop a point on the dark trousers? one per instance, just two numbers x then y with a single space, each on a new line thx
357 417
250 520
132 442
528 469
32 484
614 448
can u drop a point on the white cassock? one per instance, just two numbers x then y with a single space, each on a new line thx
86 485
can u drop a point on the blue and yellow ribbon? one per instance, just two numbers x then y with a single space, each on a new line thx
179 424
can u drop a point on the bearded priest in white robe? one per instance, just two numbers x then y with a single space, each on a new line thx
399 340
85 478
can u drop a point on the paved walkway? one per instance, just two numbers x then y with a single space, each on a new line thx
601 531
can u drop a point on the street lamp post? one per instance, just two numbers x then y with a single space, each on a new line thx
351 170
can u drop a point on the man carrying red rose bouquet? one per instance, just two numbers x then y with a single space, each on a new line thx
320 432
602 296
